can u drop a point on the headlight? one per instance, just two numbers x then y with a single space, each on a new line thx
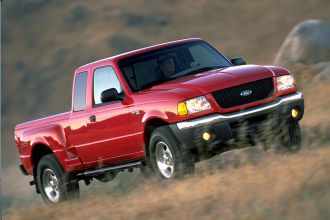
285 82
193 105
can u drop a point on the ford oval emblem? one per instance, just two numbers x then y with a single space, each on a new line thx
246 93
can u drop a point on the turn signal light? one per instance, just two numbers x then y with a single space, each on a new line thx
182 109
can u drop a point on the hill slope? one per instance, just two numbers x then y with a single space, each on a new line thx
43 41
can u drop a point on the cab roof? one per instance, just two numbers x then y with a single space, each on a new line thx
132 53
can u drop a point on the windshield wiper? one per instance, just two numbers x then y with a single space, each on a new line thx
153 83
149 84
202 69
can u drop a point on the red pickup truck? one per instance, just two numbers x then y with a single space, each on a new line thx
160 109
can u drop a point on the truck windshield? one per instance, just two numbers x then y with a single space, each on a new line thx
152 68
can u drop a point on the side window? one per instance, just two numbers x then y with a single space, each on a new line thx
79 97
104 78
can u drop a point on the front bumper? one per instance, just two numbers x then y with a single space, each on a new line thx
224 127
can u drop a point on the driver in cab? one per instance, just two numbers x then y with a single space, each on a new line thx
166 66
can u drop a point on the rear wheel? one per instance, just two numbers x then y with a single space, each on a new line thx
167 159
54 183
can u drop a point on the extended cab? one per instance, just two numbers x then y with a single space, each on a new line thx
161 109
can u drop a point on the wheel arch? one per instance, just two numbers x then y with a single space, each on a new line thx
149 127
39 150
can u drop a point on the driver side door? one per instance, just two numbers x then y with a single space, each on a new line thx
109 126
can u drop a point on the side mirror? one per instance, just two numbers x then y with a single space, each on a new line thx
111 95
238 61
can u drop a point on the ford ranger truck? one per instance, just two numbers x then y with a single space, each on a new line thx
161 109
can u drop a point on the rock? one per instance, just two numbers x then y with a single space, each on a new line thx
308 43
319 67
324 74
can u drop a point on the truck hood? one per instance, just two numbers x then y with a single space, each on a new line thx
213 80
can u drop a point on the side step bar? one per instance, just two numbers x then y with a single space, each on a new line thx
111 168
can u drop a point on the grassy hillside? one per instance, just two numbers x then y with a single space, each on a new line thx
43 41
241 184
287 187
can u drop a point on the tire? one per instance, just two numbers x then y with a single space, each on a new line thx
54 183
167 160
291 137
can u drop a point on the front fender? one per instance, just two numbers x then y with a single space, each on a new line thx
154 114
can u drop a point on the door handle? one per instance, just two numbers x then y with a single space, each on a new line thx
91 119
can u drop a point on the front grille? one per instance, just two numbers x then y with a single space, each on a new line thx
231 97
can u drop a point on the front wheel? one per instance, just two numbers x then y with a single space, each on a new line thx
291 137
54 183
167 159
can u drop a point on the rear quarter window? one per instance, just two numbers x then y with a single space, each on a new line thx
79 97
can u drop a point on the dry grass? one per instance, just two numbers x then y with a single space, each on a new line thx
244 184
241 184
280 186
44 41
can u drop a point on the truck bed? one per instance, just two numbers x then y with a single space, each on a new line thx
42 121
